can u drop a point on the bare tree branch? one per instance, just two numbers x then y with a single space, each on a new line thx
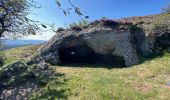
76 9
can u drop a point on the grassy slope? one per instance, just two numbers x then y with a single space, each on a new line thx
20 53
145 81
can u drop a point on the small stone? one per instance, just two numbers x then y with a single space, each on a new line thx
168 83
43 66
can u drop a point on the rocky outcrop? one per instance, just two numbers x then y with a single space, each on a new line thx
18 81
104 37
156 29
14 74
20 92
12 77
104 40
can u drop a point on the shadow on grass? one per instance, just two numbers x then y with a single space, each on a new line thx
152 56
93 65
56 89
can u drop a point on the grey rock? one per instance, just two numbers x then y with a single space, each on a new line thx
103 40
20 92
15 71
104 37
42 66
11 69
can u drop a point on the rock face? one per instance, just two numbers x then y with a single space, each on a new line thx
104 41
18 81
106 38
20 92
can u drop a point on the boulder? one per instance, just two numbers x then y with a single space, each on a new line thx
17 80
20 92
41 66
15 74
99 40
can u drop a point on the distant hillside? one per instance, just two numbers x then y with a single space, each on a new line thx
17 43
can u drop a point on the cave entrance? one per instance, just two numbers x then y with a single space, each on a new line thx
82 54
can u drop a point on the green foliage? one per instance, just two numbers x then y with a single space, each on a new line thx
81 24
72 7
167 9
159 25
104 18
19 54
60 29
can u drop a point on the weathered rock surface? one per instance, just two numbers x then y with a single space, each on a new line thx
13 81
18 81
20 92
109 39
101 40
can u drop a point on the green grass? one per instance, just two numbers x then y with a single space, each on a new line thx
19 54
140 82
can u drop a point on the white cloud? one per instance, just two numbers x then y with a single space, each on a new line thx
42 36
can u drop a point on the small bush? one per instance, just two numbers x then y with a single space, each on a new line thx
95 23
79 25
60 29
109 22
77 28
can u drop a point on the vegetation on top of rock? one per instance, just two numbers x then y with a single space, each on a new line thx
111 23
78 25
114 24
60 29
156 28
158 31
166 9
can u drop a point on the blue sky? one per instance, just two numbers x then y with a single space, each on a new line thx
95 9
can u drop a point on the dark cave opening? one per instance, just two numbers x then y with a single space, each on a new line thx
82 54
